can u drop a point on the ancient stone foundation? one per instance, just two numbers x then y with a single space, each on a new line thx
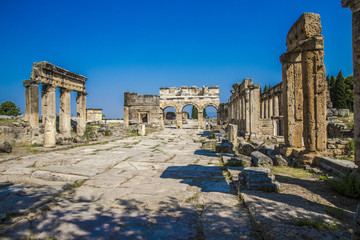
304 88
52 77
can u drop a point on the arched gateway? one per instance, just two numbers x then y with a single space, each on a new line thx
178 98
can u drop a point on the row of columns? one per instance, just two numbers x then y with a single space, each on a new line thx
244 110
270 107
48 111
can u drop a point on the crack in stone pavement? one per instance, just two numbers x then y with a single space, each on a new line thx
131 193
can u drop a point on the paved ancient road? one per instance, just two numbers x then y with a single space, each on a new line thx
160 186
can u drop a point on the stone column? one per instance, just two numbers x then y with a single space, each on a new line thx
161 118
65 113
233 131
126 116
32 104
179 119
200 118
81 113
254 110
293 100
276 105
265 108
270 108
50 117
314 85
354 6
247 113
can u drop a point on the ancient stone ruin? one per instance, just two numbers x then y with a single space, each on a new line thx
354 6
93 114
150 108
52 77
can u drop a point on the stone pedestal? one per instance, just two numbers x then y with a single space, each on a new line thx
200 119
354 6
142 130
50 117
65 113
81 113
32 104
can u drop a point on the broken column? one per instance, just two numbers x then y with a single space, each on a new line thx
32 103
233 131
178 119
354 6
65 113
304 91
50 117
81 113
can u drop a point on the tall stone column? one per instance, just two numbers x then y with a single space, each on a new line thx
200 118
233 131
354 6
293 100
179 119
81 113
50 117
65 113
276 105
265 108
270 108
314 85
161 118
254 96
247 113
32 103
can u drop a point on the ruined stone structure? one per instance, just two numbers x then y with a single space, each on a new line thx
170 115
354 6
271 122
244 107
141 109
223 113
93 114
184 96
304 88
52 77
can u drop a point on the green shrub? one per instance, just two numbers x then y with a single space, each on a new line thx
348 185
212 136
350 146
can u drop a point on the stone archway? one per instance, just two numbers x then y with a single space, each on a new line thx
183 96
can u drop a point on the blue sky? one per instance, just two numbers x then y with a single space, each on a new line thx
140 45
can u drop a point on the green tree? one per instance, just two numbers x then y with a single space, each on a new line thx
265 89
332 82
349 89
9 108
269 87
328 81
204 113
194 113
339 93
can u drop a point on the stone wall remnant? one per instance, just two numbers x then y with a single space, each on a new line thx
354 6
304 88
93 114
141 109
52 77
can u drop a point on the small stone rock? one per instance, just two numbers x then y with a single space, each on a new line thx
279 160
5 147
247 149
224 148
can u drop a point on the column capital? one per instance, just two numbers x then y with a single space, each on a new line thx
27 83
82 93
354 5
64 90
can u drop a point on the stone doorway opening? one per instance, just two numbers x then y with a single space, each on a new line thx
143 117
170 116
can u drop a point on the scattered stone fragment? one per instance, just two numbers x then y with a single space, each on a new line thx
224 148
261 160
255 178
5 147
244 160
247 149
279 160
209 144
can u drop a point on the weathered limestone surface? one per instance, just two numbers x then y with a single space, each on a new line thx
354 6
50 118
131 193
65 113
81 113
304 87
93 114
32 104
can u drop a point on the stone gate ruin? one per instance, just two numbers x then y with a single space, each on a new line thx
52 77
150 108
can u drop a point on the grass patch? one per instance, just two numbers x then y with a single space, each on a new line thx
192 198
335 212
134 133
6 122
349 122
156 146
316 223
78 183
196 161
292 172
347 185
170 158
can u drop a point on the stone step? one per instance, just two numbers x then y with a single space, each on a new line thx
254 178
